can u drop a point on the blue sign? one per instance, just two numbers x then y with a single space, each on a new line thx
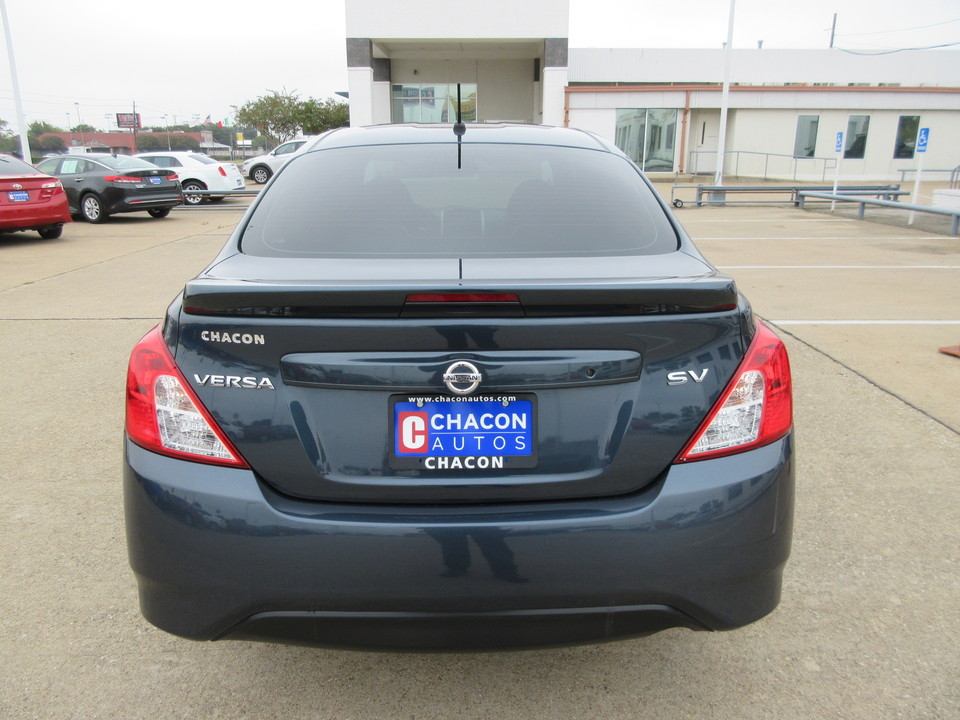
839 146
922 139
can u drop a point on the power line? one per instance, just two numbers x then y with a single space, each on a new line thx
891 52
883 32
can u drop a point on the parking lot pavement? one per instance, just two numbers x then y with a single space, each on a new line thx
867 626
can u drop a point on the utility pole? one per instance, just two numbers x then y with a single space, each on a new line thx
18 103
135 124
725 98
833 30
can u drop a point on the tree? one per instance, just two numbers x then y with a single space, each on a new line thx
52 143
39 127
277 115
317 116
84 128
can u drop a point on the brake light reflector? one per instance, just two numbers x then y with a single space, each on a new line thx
123 179
164 415
755 409
463 297
222 171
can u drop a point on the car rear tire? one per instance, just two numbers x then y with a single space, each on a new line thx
158 212
190 187
92 209
51 232
260 174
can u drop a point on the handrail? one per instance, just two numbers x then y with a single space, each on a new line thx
829 163
864 201
903 172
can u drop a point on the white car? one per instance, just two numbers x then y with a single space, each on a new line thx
198 172
261 168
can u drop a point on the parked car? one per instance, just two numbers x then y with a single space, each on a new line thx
261 168
98 185
198 172
430 395
30 200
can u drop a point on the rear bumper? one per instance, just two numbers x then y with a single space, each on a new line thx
218 555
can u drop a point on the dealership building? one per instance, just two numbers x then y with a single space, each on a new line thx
513 63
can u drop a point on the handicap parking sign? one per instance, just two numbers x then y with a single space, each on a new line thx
922 139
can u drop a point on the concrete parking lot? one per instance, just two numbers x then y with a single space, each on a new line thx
867 627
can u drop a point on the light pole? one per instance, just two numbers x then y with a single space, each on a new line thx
68 128
166 127
80 124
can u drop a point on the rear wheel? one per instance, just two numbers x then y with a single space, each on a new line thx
51 232
158 212
261 174
189 192
92 209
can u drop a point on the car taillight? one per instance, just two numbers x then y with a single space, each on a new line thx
123 179
172 176
48 190
222 171
164 415
755 409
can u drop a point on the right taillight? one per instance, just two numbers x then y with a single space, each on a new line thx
755 409
163 413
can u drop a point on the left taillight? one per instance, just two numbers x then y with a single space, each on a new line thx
222 171
164 415
755 409
48 190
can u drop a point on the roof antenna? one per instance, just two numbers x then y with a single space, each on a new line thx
459 129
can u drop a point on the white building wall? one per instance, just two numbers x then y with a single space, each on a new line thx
764 67
491 19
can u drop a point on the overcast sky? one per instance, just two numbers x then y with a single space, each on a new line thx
187 60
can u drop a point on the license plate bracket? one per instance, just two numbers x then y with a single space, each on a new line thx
463 434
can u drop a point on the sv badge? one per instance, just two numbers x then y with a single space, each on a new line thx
681 377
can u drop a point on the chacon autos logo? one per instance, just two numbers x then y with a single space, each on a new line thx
462 378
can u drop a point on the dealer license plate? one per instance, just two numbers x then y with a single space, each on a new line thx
483 433
18 196
155 180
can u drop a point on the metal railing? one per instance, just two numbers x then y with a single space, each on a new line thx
906 171
747 163
953 213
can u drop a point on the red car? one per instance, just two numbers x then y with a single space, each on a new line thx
30 200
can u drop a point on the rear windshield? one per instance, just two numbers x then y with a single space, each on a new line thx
202 158
124 162
412 201
10 165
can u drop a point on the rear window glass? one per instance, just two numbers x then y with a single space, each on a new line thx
412 201
202 158
10 165
124 162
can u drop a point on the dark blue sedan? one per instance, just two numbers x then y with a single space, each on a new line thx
442 394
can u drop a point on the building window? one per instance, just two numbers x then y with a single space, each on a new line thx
856 142
648 137
907 130
433 103
805 143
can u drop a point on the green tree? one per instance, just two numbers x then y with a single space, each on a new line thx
276 115
82 128
52 143
39 127
317 116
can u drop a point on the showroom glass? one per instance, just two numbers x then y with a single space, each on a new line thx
856 142
648 137
805 143
907 130
405 201
433 103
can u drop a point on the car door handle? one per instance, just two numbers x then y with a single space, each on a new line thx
79 179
